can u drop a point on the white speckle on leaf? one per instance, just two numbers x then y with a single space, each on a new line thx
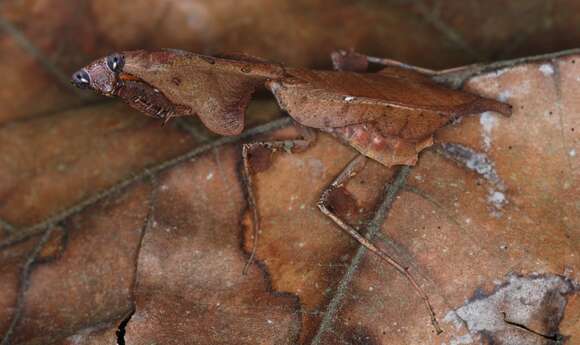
209 176
497 199
547 69
315 167
488 122
572 153
504 95
348 98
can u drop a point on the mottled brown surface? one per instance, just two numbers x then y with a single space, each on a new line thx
100 249
100 145
311 285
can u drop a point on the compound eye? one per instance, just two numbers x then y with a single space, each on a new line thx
115 62
81 79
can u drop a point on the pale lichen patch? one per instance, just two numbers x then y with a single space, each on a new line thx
482 165
503 315
488 122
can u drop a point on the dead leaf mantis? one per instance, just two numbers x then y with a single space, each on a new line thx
388 116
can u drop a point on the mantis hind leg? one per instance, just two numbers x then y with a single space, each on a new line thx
348 60
353 168
290 146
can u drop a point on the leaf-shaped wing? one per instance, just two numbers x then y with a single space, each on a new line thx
324 99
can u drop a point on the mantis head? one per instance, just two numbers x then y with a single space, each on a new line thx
102 75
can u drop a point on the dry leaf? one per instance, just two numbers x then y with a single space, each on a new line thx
487 222
82 167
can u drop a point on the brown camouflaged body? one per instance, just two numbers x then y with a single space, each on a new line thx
389 116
